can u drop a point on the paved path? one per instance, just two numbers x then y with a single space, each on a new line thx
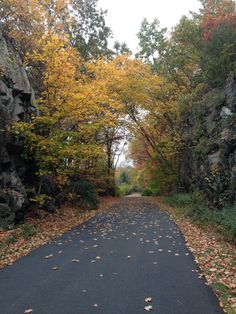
126 255
134 195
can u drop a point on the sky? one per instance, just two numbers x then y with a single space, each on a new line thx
125 16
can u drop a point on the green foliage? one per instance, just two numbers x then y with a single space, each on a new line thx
39 199
147 192
124 178
28 231
11 239
194 206
121 48
164 181
84 192
90 34
151 41
179 199
223 220
125 189
218 58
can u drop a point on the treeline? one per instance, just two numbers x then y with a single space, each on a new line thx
89 95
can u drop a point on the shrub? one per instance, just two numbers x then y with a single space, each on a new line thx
225 221
179 199
125 189
155 192
197 209
147 192
85 193
28 231
11 239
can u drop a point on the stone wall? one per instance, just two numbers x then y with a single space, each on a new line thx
16 104
209 154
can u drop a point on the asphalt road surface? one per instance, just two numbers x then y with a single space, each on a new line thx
111 264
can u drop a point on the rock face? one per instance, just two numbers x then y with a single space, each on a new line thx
209 154
16 104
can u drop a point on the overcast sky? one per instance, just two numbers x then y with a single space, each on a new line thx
125 16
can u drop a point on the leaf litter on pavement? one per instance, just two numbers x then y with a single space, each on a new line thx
103 232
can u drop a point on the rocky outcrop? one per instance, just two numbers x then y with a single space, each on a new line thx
16 104
209 153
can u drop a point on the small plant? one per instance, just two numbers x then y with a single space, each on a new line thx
125 189
147 192
11 239
179 199
197 209
39 199
85 193
28 231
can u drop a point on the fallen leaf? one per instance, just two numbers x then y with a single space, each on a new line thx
55 268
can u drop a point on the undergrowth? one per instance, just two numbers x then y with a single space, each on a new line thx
194 206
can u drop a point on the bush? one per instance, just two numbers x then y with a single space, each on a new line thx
197 209
223 220
125 189
147 192
226 221
179 199
155 192
11 239
28 231
84 193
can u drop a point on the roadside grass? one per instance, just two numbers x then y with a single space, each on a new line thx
193 206
210 236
